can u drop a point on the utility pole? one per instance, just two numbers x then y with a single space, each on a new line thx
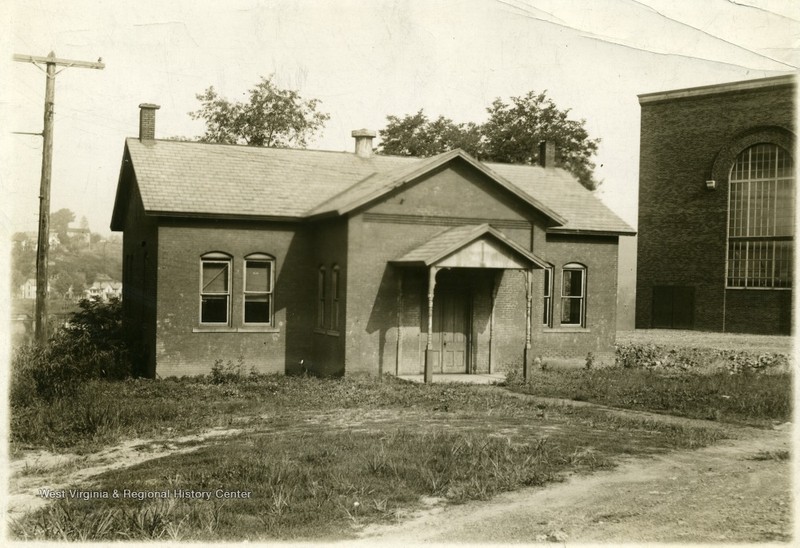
51 61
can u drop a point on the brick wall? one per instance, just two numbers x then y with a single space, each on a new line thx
683 226
372 309
455 191
139 274
181 349
330 250
599 256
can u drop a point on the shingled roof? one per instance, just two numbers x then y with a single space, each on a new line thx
177 178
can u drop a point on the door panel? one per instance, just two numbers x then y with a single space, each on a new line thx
673 307
451 325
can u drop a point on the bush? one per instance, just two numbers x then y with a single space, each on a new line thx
654 356
90 345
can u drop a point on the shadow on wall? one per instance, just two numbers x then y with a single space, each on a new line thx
296 296
384 317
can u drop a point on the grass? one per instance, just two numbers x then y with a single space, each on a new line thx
702 339
778 455
321 458
754 399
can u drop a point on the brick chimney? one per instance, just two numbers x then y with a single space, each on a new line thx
363 139
547 154
147 121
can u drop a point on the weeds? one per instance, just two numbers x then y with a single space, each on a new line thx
778 455
748 398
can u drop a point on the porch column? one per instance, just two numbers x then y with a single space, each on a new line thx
526 353
429 345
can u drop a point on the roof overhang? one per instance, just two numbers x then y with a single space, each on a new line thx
480 246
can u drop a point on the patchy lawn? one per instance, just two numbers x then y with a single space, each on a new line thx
755 399
702 339
736 378
317 458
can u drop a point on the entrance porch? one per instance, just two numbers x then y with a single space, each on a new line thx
457 276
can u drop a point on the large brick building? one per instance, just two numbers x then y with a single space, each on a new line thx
716 207
341 263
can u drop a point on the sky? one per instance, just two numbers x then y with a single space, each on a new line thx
364 61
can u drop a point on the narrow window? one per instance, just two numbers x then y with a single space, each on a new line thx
761 218
321 298
335 298
259 274
215 288
547 301
573 294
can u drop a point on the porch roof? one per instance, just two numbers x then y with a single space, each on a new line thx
450 242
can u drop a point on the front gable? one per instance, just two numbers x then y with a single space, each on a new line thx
450 184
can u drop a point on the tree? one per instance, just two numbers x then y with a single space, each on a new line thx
272 117
511 134
60 221
514 131
415 135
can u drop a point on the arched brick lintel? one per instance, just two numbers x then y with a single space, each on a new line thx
776 135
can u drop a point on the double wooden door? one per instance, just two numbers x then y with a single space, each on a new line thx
451 322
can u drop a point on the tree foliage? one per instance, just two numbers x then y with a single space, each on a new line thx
416 135
271 117
511 134
91 345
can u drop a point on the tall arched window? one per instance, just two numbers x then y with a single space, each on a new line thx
335 298
321 296
215 288
259 278
761 218
573 294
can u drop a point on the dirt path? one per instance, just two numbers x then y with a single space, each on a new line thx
734 491
35 470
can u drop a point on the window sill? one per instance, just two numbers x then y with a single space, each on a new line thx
567 329
226 329
758 288
319 331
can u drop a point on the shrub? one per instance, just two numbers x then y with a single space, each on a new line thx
230 372
90 345
653 356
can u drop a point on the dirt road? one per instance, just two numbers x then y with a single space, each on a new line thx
735 491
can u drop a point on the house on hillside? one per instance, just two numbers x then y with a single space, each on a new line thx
347 263
717 207
28 289
104 290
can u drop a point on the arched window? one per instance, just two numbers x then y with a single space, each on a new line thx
761 218
321 297
215 288
547 298
335 298
259 281
573 294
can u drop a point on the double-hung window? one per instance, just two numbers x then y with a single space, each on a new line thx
215 288
335 298
321 296
761 218
258 284
547 300
573 295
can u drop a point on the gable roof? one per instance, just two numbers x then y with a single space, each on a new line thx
451 240
376 186
178 178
